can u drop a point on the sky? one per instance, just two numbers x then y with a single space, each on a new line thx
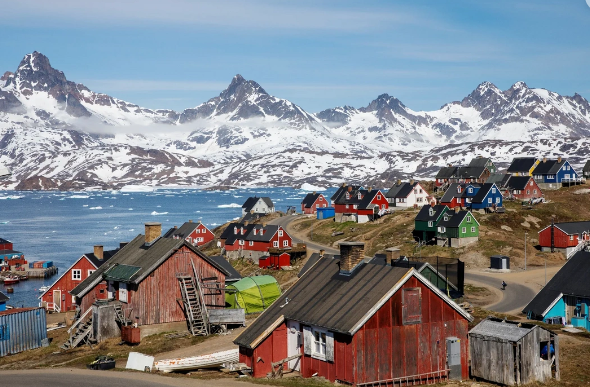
177 54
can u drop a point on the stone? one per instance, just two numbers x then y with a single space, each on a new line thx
507 228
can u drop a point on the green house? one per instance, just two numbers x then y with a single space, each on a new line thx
425 223
457 229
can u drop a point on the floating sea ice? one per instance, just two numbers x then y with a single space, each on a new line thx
197 212
79 197
111 206
132 229
95 208
159 213
233 205
131 209
84 205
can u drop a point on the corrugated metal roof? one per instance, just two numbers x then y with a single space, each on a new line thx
502 329
121 273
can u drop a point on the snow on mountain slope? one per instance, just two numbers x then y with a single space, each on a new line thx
61 134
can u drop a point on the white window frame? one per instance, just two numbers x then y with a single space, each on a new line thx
90 272
378 197
77 274
489 200
285 243
241 242
497 200
472 229
493 190
430 223
571 237
318 347
280 232
275 244
123 294
200 239
470 190
464 230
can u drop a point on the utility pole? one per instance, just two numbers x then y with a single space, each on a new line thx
525 234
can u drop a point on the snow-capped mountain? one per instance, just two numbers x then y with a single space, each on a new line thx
58 133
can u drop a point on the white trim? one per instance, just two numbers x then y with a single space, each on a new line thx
555 225
552 304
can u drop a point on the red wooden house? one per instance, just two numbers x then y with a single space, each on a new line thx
360 205
142 276
312 201
360 323
5 244
57 297
10 257
275 261
253 240
523 188
196 233
565 237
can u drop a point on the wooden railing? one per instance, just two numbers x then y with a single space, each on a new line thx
429 378
74 325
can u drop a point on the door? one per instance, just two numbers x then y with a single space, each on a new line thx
111 290
57 300
122 292
294 344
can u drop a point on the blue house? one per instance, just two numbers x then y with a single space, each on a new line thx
556 171
487 195
566 296
325 213
3 299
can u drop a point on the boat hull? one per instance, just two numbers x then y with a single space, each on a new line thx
214 360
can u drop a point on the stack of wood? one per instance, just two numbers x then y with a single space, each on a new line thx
466 306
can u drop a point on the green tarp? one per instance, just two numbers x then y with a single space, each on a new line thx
253 294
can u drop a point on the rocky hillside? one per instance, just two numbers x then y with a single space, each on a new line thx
58 133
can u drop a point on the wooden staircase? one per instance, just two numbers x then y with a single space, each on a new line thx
194 305
80 332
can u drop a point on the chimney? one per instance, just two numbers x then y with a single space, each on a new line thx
176 227
99 252
153 230
398 182
349 189
450 165
314 192
343 185
370 189
122 244
391 254
190 221
351 255
264 225
198 221
322 252
457 209
412 182
559 159
544 159
252 211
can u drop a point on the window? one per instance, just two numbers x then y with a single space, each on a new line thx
468 219
319 343
199 239
421 190
411 306
571 237
360 196
490 200
441 229
430 223
347 195
470 190
419 200
458 200
535 191
464 230
241 242
73 299
528 191
122 292
497 200
383 206
355 206
378 197
251 243
472 229
275 244
531 183
90 272
430 212
285 243
347 206
446 218
76 274
415 192
493 190
280 232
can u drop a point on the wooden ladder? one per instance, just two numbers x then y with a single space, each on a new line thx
120 316
194 305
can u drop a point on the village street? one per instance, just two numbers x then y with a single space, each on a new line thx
522 286
72 377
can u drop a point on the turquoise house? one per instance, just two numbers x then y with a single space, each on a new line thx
566 298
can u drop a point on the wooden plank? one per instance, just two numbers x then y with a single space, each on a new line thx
556 347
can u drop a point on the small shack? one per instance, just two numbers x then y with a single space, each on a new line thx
253 294
325 213
22 329
500 262
512 352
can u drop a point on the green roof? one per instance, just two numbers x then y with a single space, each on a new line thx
121 273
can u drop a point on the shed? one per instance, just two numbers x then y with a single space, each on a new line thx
325 213
512 352
253 294
500 262
22 329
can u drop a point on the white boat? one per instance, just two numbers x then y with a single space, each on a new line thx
43 289
213 360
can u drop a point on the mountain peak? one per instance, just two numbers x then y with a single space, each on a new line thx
241 89
35 73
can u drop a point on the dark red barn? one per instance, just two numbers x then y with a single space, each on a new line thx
312 201
359 323
142 276
196 233
523 188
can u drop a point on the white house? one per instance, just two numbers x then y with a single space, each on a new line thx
407 195
259 205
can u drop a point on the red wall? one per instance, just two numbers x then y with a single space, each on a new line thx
260 246
275 261
154 300
530 195
271 349
65 283
6 246
205 233
320 202
560 238
383 348
341 208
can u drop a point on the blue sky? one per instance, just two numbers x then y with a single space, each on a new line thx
318 54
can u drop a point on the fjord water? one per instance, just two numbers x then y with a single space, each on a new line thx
62 226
